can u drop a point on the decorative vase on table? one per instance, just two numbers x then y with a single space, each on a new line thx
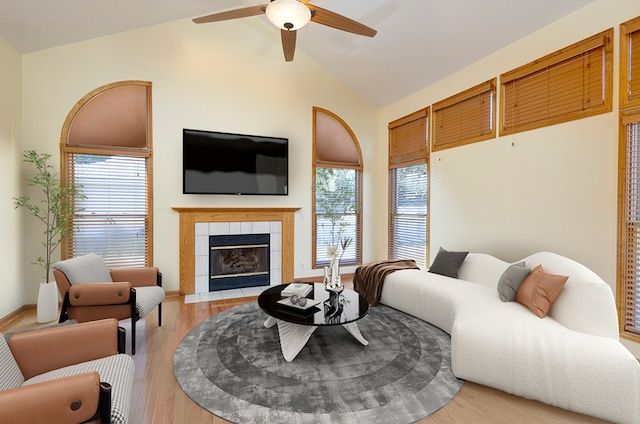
333 284
47 306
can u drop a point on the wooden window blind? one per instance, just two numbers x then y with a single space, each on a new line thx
106 149
630 63
408 187
629 275
569 84
337 182
466 117
409 138
113 220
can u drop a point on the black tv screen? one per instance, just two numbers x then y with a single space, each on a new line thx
224 163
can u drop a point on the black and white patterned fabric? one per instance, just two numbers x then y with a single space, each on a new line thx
147 298
10 374
85 269
117 370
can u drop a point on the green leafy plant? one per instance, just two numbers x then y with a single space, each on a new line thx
54 209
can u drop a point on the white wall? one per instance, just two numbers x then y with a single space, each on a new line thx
550 189
11 248
229 76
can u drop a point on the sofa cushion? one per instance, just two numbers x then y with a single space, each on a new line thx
447 263
117 370
586 302
539 290
483 269
10 374
511 280
84 269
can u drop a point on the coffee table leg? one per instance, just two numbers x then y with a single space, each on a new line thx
293 338
270 322
353 329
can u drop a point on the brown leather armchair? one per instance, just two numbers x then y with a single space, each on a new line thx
91 291
66 374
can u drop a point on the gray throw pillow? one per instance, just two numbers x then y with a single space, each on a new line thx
447 263
511 280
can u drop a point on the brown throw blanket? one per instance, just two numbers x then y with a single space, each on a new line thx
369 279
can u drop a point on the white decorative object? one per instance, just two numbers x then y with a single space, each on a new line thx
298 289
47 307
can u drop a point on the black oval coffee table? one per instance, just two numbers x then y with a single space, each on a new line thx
296 325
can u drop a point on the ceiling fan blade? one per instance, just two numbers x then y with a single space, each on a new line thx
337 21
288 43
231 14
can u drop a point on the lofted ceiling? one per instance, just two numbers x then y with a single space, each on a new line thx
418 42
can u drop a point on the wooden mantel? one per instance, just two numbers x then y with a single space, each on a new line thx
190 216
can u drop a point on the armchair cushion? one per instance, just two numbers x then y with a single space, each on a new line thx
51 401
10 374
85 269
138 277
148 298
97 339
96 294
117 370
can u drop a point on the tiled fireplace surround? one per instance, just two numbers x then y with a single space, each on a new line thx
197 224
202 250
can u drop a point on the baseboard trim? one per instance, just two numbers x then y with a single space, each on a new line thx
15 314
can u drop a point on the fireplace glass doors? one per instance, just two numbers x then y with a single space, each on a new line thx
238 260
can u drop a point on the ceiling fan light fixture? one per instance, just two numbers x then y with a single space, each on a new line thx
288 14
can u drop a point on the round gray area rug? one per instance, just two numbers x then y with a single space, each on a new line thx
232 366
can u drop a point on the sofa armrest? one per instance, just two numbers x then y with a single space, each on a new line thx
139 277
72 399
96 294
40 351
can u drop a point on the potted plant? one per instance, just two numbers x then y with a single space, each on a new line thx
54 210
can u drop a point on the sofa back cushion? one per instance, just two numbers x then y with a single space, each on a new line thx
85 269
586 303
10 374
483 269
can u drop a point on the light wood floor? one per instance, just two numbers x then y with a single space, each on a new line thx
157 397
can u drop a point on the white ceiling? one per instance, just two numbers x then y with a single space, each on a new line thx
418 41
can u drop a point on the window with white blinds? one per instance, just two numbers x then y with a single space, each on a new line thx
408 213
337 199
337 214
112 218
408 187
629 277
571 83
106 151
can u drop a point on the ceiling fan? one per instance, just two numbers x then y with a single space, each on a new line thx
289 16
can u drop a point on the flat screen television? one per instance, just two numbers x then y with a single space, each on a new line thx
224 163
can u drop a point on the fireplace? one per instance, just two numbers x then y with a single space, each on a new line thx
238 260
197 224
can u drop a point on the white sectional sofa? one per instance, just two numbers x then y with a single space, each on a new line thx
572 358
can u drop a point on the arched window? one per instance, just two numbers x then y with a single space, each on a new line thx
106 150
337 200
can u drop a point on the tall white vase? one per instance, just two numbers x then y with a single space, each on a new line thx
47 307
